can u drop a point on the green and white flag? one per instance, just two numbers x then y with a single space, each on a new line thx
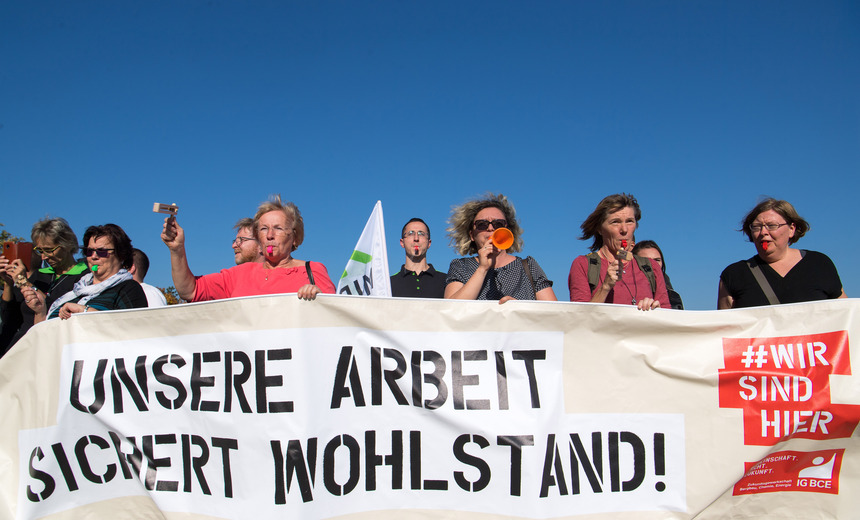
366 271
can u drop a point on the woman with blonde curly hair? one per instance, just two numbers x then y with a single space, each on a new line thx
493 274
279 229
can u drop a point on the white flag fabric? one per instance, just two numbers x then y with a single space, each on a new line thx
366 272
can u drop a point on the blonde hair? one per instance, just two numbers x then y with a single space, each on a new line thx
58 231
290 210
463 216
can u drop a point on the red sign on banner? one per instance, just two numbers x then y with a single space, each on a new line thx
814 471
782 384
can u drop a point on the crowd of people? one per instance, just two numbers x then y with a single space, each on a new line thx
617 270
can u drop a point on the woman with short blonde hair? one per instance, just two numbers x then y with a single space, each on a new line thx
279 229
494 273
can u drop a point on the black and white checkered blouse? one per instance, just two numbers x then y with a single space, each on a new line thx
510 280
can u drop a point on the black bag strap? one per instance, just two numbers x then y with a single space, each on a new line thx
762 281
645 267
593 270
310 273
529 274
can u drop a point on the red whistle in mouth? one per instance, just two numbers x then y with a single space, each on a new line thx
416 250
764 245
269 249
624 244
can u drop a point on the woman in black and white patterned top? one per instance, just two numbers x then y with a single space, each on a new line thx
494 274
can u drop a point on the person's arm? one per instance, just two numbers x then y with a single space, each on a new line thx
540 280
661 294
173 237
608 282
580 289
724 299
843 295
6 273
472 288
35 300
546 294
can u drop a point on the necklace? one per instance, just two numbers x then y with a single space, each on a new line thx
623 279
635 289
57 279
266 267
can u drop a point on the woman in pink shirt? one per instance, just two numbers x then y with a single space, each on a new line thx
279 229
610 273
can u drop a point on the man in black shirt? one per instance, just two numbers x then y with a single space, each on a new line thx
417 278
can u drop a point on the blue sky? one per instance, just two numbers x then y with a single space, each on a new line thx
699 109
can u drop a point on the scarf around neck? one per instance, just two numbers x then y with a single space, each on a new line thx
86 290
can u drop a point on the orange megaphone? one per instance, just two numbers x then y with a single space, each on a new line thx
502 238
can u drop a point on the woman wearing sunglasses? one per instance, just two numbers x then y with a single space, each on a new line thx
778 273
107 286
610 273
56 244
493 274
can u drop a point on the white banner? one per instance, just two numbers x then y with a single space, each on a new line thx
366 271
271 407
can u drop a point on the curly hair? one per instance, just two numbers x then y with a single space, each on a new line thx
58 231
463 216
785 209
610 204
121 243
294 218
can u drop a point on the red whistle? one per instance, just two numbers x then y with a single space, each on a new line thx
624 244
764 245
269 249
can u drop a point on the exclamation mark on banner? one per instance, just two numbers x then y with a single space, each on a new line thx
659 459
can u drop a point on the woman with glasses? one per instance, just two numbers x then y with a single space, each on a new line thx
279 229
493 274
610 273
107 285
777 273
55 245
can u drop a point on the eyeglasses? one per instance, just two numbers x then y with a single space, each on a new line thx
755 228
100 252
410 234
242 240
45 251
483 225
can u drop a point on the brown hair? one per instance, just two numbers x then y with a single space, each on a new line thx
784 209
121 242
610 204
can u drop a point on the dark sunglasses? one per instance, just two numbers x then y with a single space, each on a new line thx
100 252
483 225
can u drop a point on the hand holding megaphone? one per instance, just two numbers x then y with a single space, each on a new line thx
502 238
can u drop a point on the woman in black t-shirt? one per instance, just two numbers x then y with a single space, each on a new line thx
778 273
